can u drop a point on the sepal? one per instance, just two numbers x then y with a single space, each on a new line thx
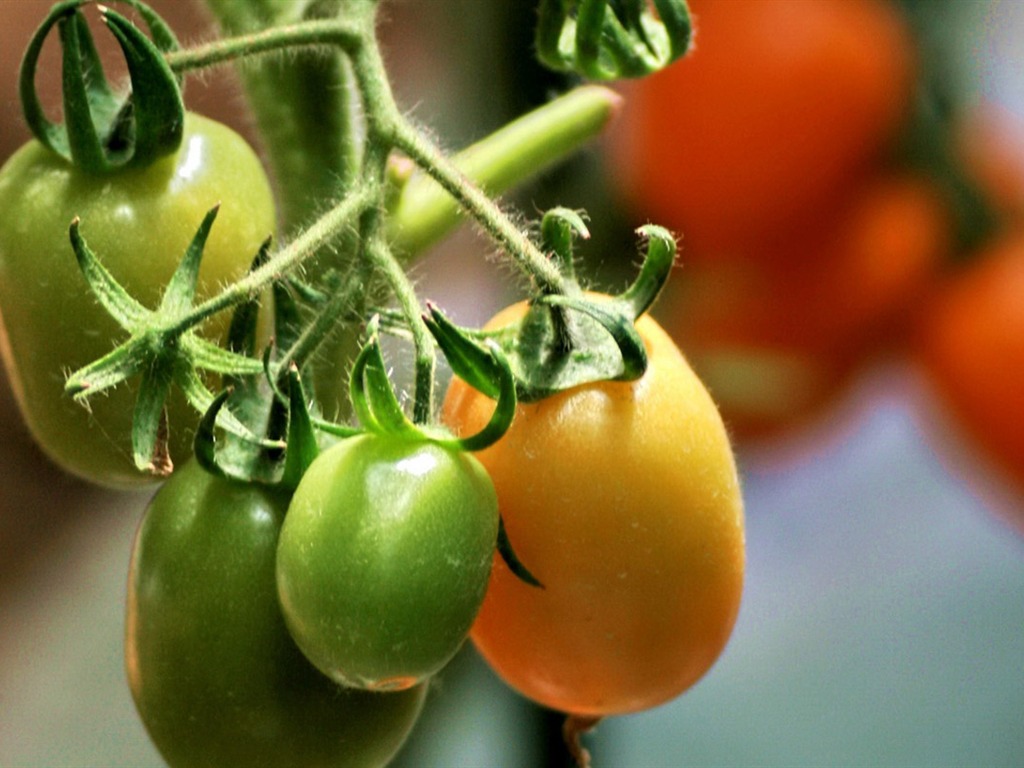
103 131
612 39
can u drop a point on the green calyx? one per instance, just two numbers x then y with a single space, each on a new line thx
612 39
162 349
566 339
378 409
104 131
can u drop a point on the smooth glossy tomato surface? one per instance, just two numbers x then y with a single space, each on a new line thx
216 678
384 559
972 346
780 104
139 223
623 500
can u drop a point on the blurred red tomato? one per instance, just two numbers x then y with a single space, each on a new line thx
781 104
776 335
972 350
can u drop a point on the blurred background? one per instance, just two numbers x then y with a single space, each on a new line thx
839 185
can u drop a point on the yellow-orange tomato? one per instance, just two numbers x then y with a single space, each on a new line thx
972 346
779 106
623 499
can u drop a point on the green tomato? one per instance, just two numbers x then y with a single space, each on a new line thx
384 559
215 676
139 222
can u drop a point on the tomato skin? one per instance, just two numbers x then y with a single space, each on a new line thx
215 676
384 559
623 500
778 107
139 223
971 346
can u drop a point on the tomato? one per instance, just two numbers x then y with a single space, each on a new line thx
215 676
622 498
779 106
777 335
139 223
384 558
972 348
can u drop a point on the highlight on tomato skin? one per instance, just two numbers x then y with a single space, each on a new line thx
971 351
623 499
777 109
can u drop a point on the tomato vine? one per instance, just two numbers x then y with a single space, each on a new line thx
384 507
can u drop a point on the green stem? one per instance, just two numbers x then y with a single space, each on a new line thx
537 139
306 245
328 33
474 201
301 102
526 147
382 119
412 310
329 320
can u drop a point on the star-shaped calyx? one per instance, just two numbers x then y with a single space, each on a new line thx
163 349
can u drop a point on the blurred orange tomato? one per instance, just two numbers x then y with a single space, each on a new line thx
781 104
972 350
777 336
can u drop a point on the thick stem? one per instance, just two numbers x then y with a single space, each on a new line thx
301 102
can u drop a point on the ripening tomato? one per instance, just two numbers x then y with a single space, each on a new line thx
623 499
216 678
139 222
972 348
384 559
777 337
780 105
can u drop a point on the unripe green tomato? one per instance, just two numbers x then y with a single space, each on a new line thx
216 678
384 559
139 223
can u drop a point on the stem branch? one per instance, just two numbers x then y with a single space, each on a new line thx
327 32
288 258
491 218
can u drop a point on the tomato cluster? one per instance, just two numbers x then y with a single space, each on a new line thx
296 582
268 626
833 214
